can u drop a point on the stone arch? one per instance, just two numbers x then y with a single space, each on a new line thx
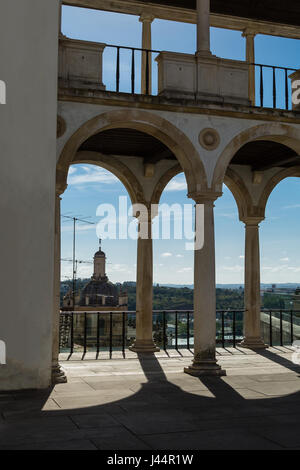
240 193
143 121
276 132
293 171
163 182
121 171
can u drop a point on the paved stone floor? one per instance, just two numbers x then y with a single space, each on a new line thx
149 403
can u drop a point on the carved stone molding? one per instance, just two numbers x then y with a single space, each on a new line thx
209 139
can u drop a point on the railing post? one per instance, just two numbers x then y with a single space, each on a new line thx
271 329
281 329
85 333
274 88
292 326
110 335
98 334
188 331
118 71
286 90
72 333
261 86
223 330
123 333
176 331
133 71
164 332
234 329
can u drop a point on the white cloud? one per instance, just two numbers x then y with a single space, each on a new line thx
293 206
79 228
228 215
284 259
72 170
237 268
89 175
176 184
121 268
242 257
179 256
166 255
184 270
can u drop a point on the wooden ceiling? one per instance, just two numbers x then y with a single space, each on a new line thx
277 11
128 143
260 155
264 154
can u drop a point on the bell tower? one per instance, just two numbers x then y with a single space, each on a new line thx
99 264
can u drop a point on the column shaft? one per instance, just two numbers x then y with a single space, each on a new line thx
203 26
205 301
252 325
146 21
250 58
144 290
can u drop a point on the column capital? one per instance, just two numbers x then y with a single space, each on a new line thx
146 18
60 189
252 221
205 197
249 32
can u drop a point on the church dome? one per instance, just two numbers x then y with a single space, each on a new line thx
97 288
99 254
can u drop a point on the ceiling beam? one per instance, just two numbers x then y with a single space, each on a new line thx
185 15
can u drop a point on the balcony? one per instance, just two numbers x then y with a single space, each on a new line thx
173 77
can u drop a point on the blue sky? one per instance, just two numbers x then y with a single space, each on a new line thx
90 186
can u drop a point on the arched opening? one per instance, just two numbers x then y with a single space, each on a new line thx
95 278
280 260
261 147
138 148
253 171
175 265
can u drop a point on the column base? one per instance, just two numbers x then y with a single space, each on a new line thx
253 343
205 368
58 375
144 346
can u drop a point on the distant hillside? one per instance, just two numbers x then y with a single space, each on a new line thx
180 297
170 298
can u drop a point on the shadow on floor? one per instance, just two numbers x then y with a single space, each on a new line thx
161 411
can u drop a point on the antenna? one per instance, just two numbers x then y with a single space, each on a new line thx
75 220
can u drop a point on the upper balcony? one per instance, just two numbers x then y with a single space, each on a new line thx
200 79
174 77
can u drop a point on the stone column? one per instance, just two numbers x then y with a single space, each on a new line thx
250 58
252 326
204 362
146 21
144 287
58 376
203 27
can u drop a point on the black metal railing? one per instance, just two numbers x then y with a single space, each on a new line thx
133 73
172 329
273 86
280 327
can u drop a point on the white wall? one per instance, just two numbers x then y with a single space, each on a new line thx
28 65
